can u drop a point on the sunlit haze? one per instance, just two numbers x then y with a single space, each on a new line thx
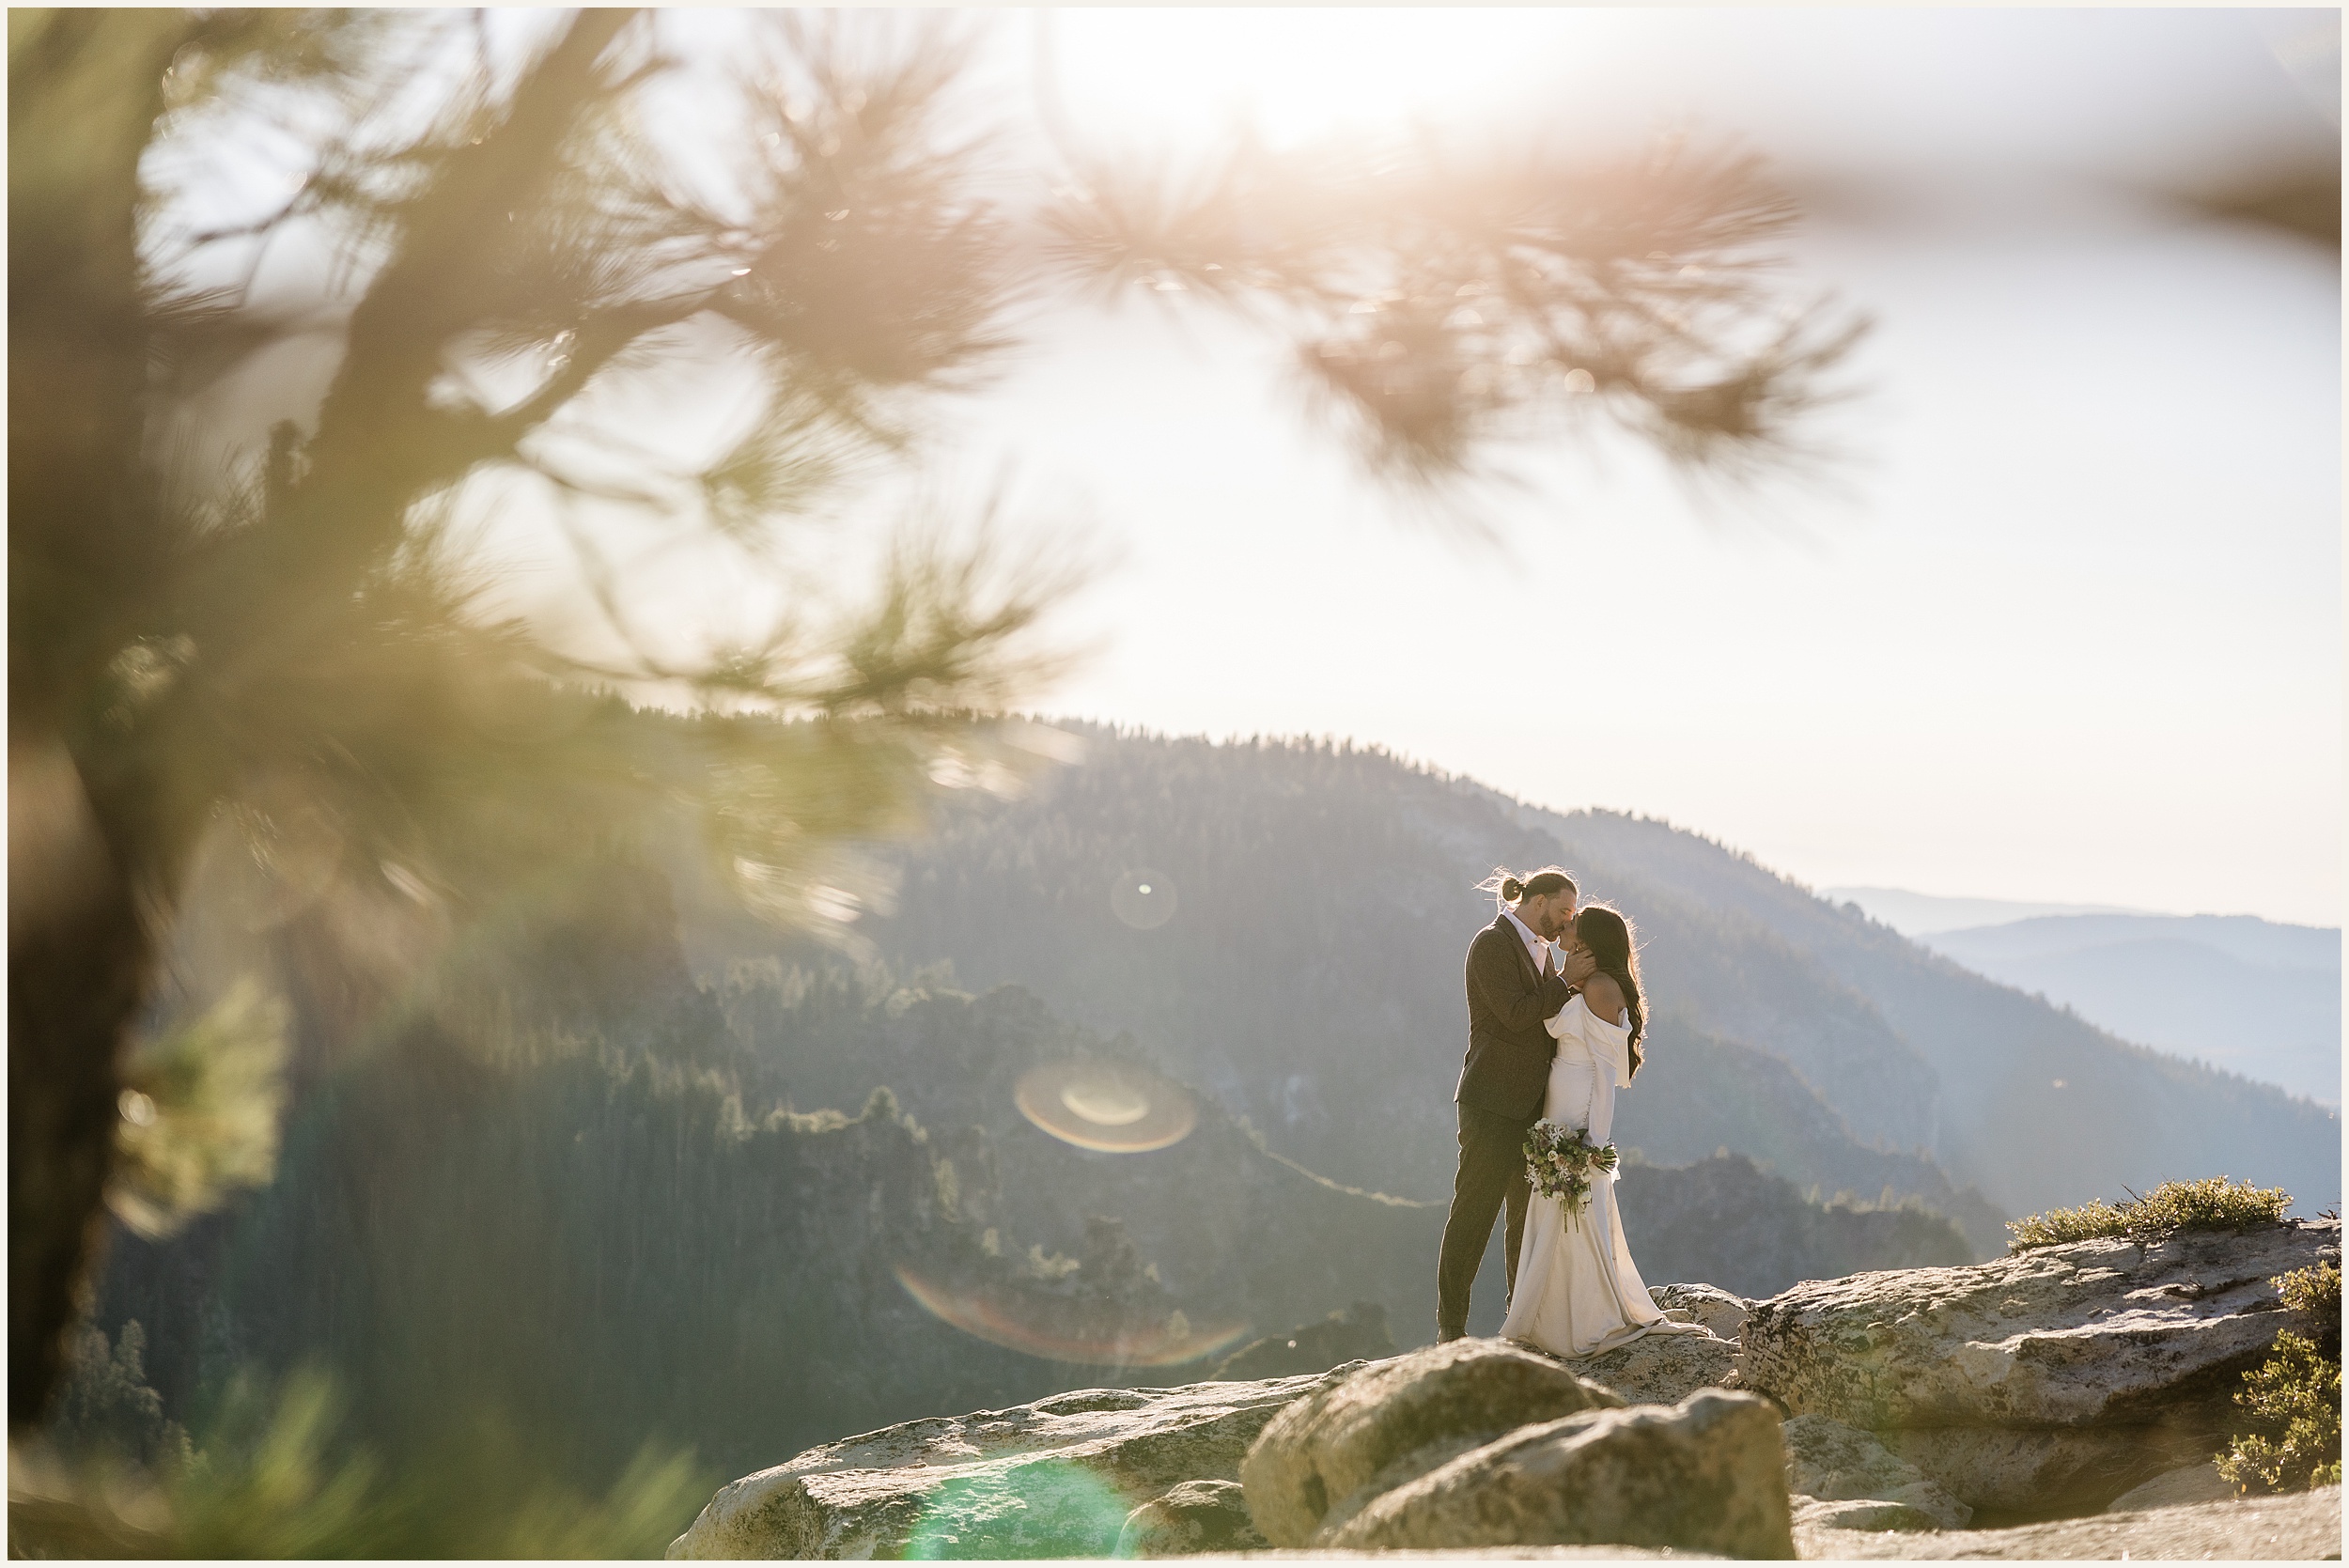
2061 621
2065 626
758 747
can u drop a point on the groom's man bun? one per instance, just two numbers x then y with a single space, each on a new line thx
1509 887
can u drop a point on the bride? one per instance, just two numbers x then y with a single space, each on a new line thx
1577 1291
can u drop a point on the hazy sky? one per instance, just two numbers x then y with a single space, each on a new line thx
2069 631
2065 629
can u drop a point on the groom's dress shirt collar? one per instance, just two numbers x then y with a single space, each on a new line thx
1533 944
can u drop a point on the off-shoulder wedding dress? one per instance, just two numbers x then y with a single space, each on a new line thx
1577 1290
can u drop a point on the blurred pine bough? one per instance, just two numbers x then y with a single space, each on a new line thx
276 1475
273 654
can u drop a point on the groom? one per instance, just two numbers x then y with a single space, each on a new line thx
1514 983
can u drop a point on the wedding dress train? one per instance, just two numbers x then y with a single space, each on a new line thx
1577 1290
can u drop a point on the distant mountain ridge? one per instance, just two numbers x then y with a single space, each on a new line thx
1918 914
1309 978
2241 993
2246 939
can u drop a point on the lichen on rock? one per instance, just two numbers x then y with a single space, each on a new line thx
1703 1475
2049 1382
1841 1475
1661 1369
1721 1312
1197 1516
1058 1477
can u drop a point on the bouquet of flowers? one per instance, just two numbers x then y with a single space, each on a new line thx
1562 1162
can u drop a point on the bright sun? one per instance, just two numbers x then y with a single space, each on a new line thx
1299 73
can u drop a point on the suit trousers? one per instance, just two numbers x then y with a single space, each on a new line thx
1491 1174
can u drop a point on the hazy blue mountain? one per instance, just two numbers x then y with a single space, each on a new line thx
1917 914
2246 939
2244 994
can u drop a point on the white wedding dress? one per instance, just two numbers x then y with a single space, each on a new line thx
1577 1291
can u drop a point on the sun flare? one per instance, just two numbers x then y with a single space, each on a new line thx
1294 74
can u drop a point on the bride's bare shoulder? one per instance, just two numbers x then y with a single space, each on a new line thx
1603 997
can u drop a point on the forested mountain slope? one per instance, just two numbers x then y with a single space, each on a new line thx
1309 977
603 1245
2037 1106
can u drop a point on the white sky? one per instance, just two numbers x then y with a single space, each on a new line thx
2068 632
2071 631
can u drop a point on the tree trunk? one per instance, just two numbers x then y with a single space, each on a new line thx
79 954
84 89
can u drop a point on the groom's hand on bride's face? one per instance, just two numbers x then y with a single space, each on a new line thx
1578 967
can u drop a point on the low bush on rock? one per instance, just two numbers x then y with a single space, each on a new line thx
2315 1293
2294 1396
2213 1203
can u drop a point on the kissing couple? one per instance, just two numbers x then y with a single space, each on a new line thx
1555 1021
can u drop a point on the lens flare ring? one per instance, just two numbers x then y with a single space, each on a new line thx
1143 899
1118 1107
1051 1329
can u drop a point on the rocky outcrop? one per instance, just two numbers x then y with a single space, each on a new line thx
1663 1369
1720 1313
2050 1473
1357 1333
1197 1516
2044 1385
1058 1477
1703 1475
2192 1483
1842 1476
2299 1527
2049 1382
1328 1455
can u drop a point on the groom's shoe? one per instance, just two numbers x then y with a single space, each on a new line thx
1445 1336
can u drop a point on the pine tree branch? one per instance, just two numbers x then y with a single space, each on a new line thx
380 442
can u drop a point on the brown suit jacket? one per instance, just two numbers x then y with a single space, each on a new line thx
1507 1070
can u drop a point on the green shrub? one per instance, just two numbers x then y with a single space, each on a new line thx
2295 1401
2214 1203
2315 1295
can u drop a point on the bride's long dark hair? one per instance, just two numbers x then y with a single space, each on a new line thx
1608 937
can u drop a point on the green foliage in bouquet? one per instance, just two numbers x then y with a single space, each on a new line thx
2213 1203
1562 1162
